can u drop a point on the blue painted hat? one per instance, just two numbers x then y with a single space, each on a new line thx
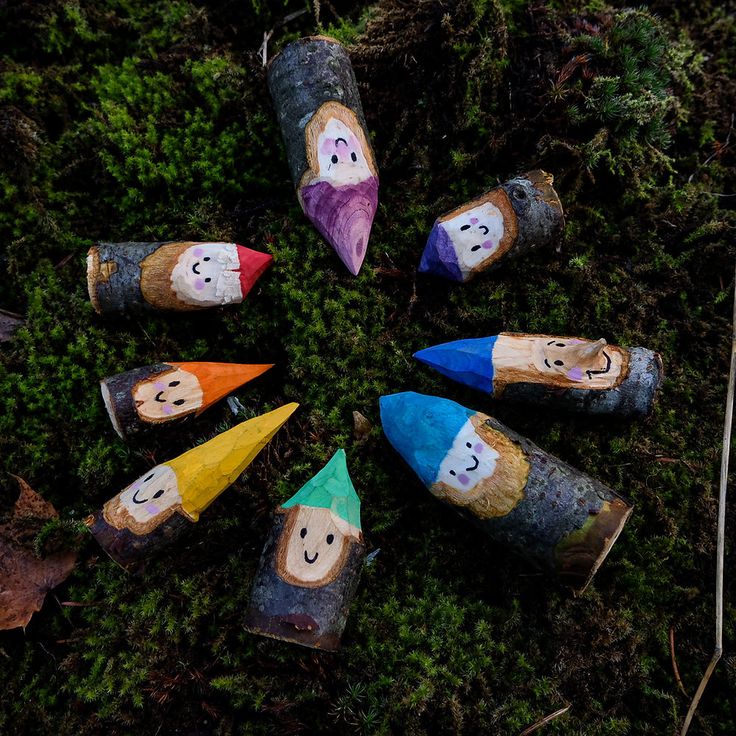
439 257
422 429
466 361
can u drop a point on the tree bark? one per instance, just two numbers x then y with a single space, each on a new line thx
131 551
634 396
312 617
306 74
567 521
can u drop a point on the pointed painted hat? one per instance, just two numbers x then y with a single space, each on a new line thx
466 361
220 379
332 489
422 429
439 257
204 472
252 264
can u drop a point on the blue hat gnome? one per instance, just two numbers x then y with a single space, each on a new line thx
311 563
560 519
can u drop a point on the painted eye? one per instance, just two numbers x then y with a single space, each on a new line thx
303 532
207 280
465 227
474 248
159 493
484 229
355 158
331 537
147 479
452 472
334 159
559 362
560 345
206 258
467 444
179 402
174 383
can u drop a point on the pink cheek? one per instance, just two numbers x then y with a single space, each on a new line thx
199 284
328 146
473 220
478 448
575 374
487 244
198 251
463 479
159 385
167 409
152 509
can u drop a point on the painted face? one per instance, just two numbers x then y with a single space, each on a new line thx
167 395
475 234
207 274
469 461
579 361
339 154
315 548
151 494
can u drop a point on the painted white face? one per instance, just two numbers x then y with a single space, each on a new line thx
207 275
314 550
469 461
167 395
151 494
340 156
475 234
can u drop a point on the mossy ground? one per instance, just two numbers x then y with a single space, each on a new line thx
124 121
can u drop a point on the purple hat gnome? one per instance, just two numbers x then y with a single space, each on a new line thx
332 163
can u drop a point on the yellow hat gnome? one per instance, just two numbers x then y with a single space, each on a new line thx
157 507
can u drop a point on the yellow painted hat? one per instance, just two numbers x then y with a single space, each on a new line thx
204 472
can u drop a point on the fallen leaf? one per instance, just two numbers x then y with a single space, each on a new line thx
25 578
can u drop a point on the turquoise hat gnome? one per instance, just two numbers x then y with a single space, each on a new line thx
311 563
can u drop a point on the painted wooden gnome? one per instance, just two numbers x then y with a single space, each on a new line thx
555 516
504 223
567 372
330 156
311 563
171 276
165 392
164 502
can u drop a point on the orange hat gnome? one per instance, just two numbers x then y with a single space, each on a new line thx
160 393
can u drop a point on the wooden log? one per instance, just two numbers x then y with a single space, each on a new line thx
311 563
178 276
563 372
327 144
523 214
558 518
163 503
166 392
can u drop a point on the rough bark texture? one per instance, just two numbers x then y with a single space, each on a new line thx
9 323
634 396
540 219
313 617
130 550
298 91
119 400
114 276
567 521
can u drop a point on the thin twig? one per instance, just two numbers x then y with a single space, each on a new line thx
721 539
263 48
675 669
536 726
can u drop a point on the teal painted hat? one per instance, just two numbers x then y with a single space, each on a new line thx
331 489
422 429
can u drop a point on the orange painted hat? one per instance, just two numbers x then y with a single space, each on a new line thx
219 379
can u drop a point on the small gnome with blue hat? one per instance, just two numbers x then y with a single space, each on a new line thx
311 563
456 455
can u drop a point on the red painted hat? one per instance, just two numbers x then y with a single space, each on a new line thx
252 264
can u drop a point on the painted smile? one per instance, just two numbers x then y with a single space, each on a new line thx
159 399
590 374
475 467
313 559
135 497
195 268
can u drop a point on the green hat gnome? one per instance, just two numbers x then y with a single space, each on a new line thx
311 562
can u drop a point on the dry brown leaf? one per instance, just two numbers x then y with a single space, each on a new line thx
25 578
